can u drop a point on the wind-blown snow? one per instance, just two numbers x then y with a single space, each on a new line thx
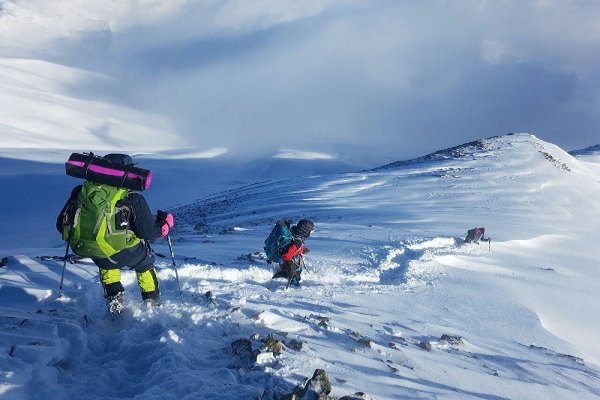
387 276
303 155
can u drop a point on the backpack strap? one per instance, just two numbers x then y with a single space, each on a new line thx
87 164
125 173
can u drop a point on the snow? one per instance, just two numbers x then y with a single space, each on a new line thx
387 276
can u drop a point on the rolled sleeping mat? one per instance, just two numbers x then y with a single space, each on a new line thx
99 170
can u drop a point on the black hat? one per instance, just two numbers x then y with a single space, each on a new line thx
121 159
303 228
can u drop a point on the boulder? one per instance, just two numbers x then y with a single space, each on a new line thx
454 340
317 387
243 349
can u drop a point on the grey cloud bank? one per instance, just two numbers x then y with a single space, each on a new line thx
396 78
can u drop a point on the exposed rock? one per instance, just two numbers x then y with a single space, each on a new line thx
243 349
557 163
200 226
454 340
553 353
3 262
425 345
296 345
252 257
317 387
226 231
323 321
357 396
273 345
362 340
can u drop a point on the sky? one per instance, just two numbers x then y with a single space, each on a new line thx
398 79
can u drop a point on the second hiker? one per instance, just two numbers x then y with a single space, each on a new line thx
291 251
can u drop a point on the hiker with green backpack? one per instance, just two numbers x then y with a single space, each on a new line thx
113 225
285 245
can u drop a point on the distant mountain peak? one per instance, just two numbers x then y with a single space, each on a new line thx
591 150
463 151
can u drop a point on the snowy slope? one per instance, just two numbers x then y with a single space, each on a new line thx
387 276
38 176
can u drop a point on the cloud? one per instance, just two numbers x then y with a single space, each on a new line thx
187 154
37 110
303 155
400 78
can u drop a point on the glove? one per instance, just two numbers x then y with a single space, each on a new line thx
165 221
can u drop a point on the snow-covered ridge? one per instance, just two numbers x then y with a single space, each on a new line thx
589 154
588 150
470 169
392 303
458 152
475 149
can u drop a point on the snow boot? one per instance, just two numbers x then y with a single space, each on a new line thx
151 299
115 304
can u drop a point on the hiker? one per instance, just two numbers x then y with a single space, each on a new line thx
475 235
292 253
129 228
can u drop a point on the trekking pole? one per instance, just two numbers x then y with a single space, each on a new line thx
175 267
62 275
490 244
304 265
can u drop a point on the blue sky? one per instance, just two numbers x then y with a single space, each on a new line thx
397 78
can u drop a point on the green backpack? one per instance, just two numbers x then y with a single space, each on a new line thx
99 228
